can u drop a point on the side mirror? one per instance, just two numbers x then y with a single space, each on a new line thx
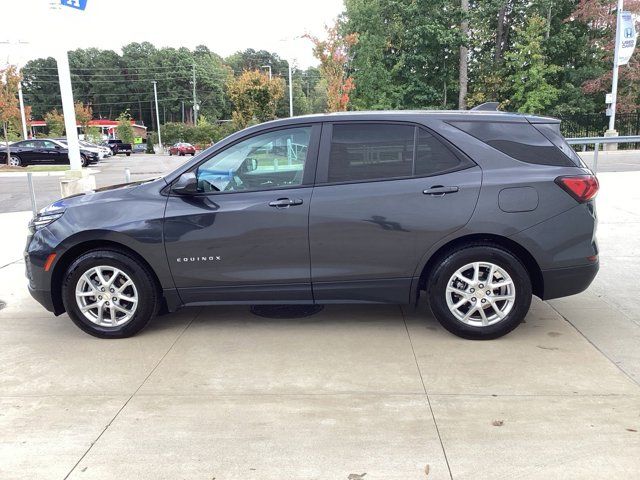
58 147
187 184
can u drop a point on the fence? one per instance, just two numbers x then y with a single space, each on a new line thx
595 124
597 141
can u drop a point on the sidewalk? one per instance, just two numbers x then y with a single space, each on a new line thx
354 390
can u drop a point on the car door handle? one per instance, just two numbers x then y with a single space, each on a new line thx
439 190
285 202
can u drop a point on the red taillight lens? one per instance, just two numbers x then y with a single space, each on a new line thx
581 187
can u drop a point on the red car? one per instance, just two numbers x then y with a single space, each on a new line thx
182 149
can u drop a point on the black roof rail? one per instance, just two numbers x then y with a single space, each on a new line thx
486 107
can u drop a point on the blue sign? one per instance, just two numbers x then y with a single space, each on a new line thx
79 4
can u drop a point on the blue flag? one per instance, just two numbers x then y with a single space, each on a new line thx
79 4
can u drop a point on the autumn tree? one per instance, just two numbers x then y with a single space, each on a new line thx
9 110
333 54
84 114
600 15
55 123
254 97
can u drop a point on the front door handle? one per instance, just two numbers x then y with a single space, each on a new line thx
285 202
439 190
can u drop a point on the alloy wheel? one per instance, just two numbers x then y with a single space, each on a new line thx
480 294
106 296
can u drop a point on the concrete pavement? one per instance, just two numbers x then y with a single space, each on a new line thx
353 390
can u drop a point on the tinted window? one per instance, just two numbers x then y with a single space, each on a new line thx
362 151
267 161
552 132
432 157
518 140
48 144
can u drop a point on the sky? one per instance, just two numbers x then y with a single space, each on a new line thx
32 29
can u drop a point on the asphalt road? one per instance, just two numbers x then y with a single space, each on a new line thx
14 196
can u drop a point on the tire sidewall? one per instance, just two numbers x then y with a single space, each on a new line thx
147 294
456 260
18 159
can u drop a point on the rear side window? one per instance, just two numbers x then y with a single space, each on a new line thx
373 151
552 132
362 151
518 140
432 157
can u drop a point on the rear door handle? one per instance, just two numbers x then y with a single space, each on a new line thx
285 202
439 190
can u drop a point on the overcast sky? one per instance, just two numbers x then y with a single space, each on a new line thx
224 26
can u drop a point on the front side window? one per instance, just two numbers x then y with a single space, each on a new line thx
263 162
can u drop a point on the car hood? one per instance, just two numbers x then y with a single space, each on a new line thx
103 194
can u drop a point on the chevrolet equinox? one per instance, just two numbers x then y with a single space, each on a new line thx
476 211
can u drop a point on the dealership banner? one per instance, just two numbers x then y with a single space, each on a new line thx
628 36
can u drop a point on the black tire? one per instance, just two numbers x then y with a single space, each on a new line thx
140 274
128 154
84 161
170 153
17 160
182 154
450 263
192 154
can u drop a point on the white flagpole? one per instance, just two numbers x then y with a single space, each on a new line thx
614 82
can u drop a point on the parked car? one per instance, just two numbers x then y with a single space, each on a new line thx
140 148
474 211
106 148
44 151
90 147
182 149
118 146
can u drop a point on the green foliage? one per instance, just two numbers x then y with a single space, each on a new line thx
529 71
124 128
93 135
255 97
55 123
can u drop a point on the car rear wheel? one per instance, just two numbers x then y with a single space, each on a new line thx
479 292
128 154
15 161
109 294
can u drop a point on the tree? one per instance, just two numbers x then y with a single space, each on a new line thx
463 76
333 54
84 114
124 128
55 123
93 135
254 97
9 110
529 70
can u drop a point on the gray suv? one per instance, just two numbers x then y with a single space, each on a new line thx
476 211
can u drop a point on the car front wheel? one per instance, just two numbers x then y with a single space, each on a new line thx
109 294
480 292
15 161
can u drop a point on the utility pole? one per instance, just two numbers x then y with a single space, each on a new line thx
155 94
22 114
195 98
68 109
614 84
290 91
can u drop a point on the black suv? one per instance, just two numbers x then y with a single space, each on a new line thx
477 211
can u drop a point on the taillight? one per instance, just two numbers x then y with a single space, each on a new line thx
581 187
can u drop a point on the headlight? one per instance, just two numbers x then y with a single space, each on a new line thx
42 220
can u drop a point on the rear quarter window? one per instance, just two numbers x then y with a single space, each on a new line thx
521 141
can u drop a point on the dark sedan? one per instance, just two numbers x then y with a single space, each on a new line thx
43 151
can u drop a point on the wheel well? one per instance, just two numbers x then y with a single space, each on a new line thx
533 269
74 252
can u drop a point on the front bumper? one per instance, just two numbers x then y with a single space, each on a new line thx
562 282
43 297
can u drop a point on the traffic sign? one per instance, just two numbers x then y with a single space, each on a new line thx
78 4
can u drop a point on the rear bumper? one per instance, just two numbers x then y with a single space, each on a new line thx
562 282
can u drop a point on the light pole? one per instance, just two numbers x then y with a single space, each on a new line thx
20 97
155 94
290 91
616 66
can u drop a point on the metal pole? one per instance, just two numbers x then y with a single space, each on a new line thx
614 81
22 114
155 94
290 92
195 98
68 110
595 158
127 175
32 193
